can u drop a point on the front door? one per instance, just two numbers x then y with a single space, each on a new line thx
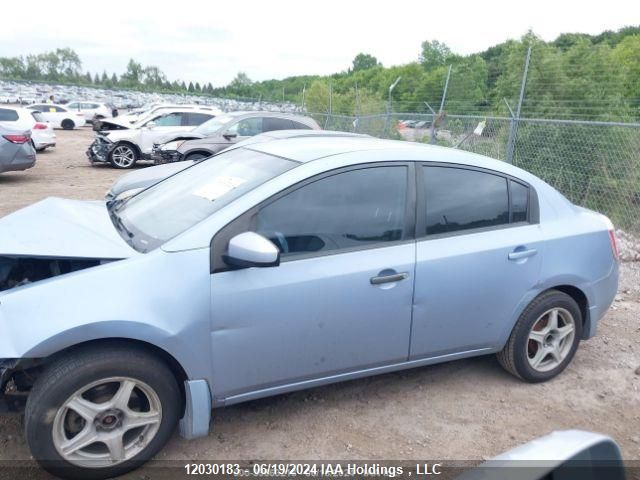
341 298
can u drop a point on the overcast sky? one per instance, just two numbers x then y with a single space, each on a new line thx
213 40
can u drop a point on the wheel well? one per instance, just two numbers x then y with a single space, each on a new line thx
175 367
197 152
579 297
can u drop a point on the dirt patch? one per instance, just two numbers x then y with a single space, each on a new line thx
463 410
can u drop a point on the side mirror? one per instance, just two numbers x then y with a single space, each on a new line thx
565 454
249 249
229 136
151 125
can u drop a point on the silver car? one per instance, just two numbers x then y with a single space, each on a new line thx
16 150
223 131
277 267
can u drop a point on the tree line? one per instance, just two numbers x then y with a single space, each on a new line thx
574 76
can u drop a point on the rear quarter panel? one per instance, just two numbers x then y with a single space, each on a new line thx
578 253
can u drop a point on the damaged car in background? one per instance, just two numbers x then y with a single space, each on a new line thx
122 143
223 131
277 266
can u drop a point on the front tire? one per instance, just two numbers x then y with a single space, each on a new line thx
102 412
545 338
123 156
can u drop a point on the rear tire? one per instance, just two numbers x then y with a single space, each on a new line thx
95 396
545 338
68 124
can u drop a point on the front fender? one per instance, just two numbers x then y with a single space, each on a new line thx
159 298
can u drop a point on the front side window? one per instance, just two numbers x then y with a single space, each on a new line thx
459 199
174 205
247 127
74 105
351 209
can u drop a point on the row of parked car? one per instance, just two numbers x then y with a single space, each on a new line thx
172 133
31 129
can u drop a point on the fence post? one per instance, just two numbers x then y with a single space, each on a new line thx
326 122
513 131
446 87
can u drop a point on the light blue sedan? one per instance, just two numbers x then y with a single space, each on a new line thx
281 266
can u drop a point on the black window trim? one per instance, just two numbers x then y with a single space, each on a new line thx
533 210
246 221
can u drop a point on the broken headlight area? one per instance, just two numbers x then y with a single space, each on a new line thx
100 149
18 271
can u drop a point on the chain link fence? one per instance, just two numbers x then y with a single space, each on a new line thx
594 164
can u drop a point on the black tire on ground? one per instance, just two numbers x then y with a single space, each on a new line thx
67 124
514 355
71 373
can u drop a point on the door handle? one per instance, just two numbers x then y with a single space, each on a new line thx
394 277
518 254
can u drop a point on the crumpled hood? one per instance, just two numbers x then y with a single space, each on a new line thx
119 121
56 227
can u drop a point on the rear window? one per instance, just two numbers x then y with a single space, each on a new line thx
7 115
270 124
192 119
38 117
300 126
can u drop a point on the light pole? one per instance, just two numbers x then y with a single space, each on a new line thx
388 120
391 87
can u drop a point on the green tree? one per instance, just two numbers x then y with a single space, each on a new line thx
434 54
364 61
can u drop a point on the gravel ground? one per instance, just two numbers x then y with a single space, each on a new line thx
463 410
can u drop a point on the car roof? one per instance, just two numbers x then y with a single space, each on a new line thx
310 148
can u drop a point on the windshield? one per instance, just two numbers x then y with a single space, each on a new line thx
172 206
210 127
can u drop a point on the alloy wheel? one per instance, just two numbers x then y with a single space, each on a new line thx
107 422
550 339
123 156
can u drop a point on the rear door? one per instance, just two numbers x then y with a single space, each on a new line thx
479 254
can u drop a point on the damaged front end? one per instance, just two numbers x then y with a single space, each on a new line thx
19 271
100 149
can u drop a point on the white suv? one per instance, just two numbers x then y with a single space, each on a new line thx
93 110
122 143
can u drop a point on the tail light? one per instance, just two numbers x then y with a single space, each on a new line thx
79 114
614 244
40 126
17 138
